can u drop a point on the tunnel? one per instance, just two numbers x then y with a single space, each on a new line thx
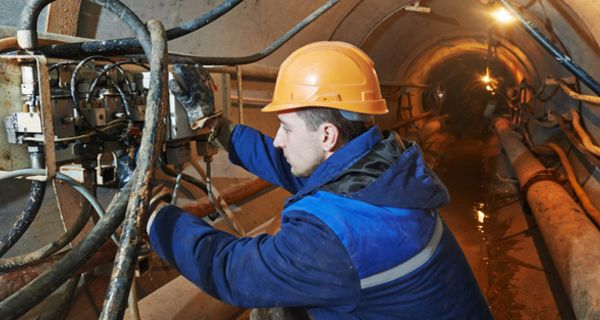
501 97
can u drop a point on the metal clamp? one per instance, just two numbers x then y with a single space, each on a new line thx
546 174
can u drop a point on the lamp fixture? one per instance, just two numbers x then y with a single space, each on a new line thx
502 15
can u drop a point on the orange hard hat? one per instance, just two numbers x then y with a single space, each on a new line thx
329 74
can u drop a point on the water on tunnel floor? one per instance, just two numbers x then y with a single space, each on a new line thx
485 214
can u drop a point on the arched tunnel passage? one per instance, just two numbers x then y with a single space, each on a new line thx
456 88
431 57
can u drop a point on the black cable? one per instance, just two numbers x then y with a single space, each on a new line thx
105 72
215 202
73 89
8 264
66 301
83 48
151 143
190 59
131 45
34 202
187 178
27 297
123 98
134 23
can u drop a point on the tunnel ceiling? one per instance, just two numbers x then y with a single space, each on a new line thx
403 44
407 45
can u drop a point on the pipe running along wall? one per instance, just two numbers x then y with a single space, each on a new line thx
573 241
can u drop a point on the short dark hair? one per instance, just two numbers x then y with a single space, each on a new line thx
314 117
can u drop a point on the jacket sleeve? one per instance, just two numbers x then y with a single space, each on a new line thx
304 264
255 152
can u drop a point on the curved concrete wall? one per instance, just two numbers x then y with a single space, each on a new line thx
405 45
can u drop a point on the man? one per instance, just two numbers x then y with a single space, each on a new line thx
360 238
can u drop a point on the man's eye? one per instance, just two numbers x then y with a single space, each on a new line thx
285 129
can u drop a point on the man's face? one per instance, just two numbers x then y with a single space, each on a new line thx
301 147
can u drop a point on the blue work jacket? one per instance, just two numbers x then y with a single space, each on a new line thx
360 238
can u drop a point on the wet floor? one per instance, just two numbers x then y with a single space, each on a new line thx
486 217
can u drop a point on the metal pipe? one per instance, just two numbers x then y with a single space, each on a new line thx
152 139
562 58
251 101
131 45
418 117
240 99
259 72
572 240
235 194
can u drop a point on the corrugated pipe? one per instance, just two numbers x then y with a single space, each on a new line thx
585 201
583 136
572 240
573 94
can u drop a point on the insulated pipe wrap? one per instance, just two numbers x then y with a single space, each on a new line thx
572 240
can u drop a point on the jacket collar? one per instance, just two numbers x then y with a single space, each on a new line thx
339 161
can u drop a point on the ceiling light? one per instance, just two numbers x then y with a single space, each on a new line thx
502 15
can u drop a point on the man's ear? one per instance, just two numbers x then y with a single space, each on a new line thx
330 137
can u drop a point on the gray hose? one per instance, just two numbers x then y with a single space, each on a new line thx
31 257
27 33
34 292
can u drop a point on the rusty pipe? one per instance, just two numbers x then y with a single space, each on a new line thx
572 240
233 195
240 100
251 71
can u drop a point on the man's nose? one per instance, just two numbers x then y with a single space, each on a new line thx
277 142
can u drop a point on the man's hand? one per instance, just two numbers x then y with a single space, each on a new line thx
192 87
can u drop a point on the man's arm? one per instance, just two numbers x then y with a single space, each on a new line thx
254 151
191 86
304 264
